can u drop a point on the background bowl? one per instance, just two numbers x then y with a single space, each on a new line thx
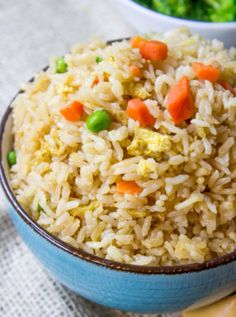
146 20
122 286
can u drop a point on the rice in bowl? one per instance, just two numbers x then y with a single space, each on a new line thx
77 183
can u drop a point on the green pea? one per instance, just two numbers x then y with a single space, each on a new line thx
98 120
11 158
40 208
99 59
61 65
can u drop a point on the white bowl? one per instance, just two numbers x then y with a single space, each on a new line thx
146 20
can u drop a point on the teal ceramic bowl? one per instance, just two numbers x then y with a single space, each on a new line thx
121 286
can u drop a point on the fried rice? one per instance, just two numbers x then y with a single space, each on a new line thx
66 176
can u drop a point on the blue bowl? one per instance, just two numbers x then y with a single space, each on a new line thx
121 286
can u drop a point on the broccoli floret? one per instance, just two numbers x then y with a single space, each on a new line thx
221 11
178 8
203 10
199 11
145 3
161 6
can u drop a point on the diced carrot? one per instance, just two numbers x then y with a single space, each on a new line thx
135 71
154 50
136 41
72 112
138 111
227 86
95 81
206 72
128 187
150 49
180 101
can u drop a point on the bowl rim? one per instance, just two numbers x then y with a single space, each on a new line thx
80 253
191 23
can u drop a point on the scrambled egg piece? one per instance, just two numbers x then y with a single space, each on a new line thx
67 86
201 132
54 148
138 214
80 210
149 143
146 167
136 90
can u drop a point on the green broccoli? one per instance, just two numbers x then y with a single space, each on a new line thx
199 11
178 8
221 11
145 3
203 10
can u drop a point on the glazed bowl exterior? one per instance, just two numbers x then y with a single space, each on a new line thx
145 20
121 286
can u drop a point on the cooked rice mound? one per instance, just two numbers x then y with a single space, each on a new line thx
66 176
